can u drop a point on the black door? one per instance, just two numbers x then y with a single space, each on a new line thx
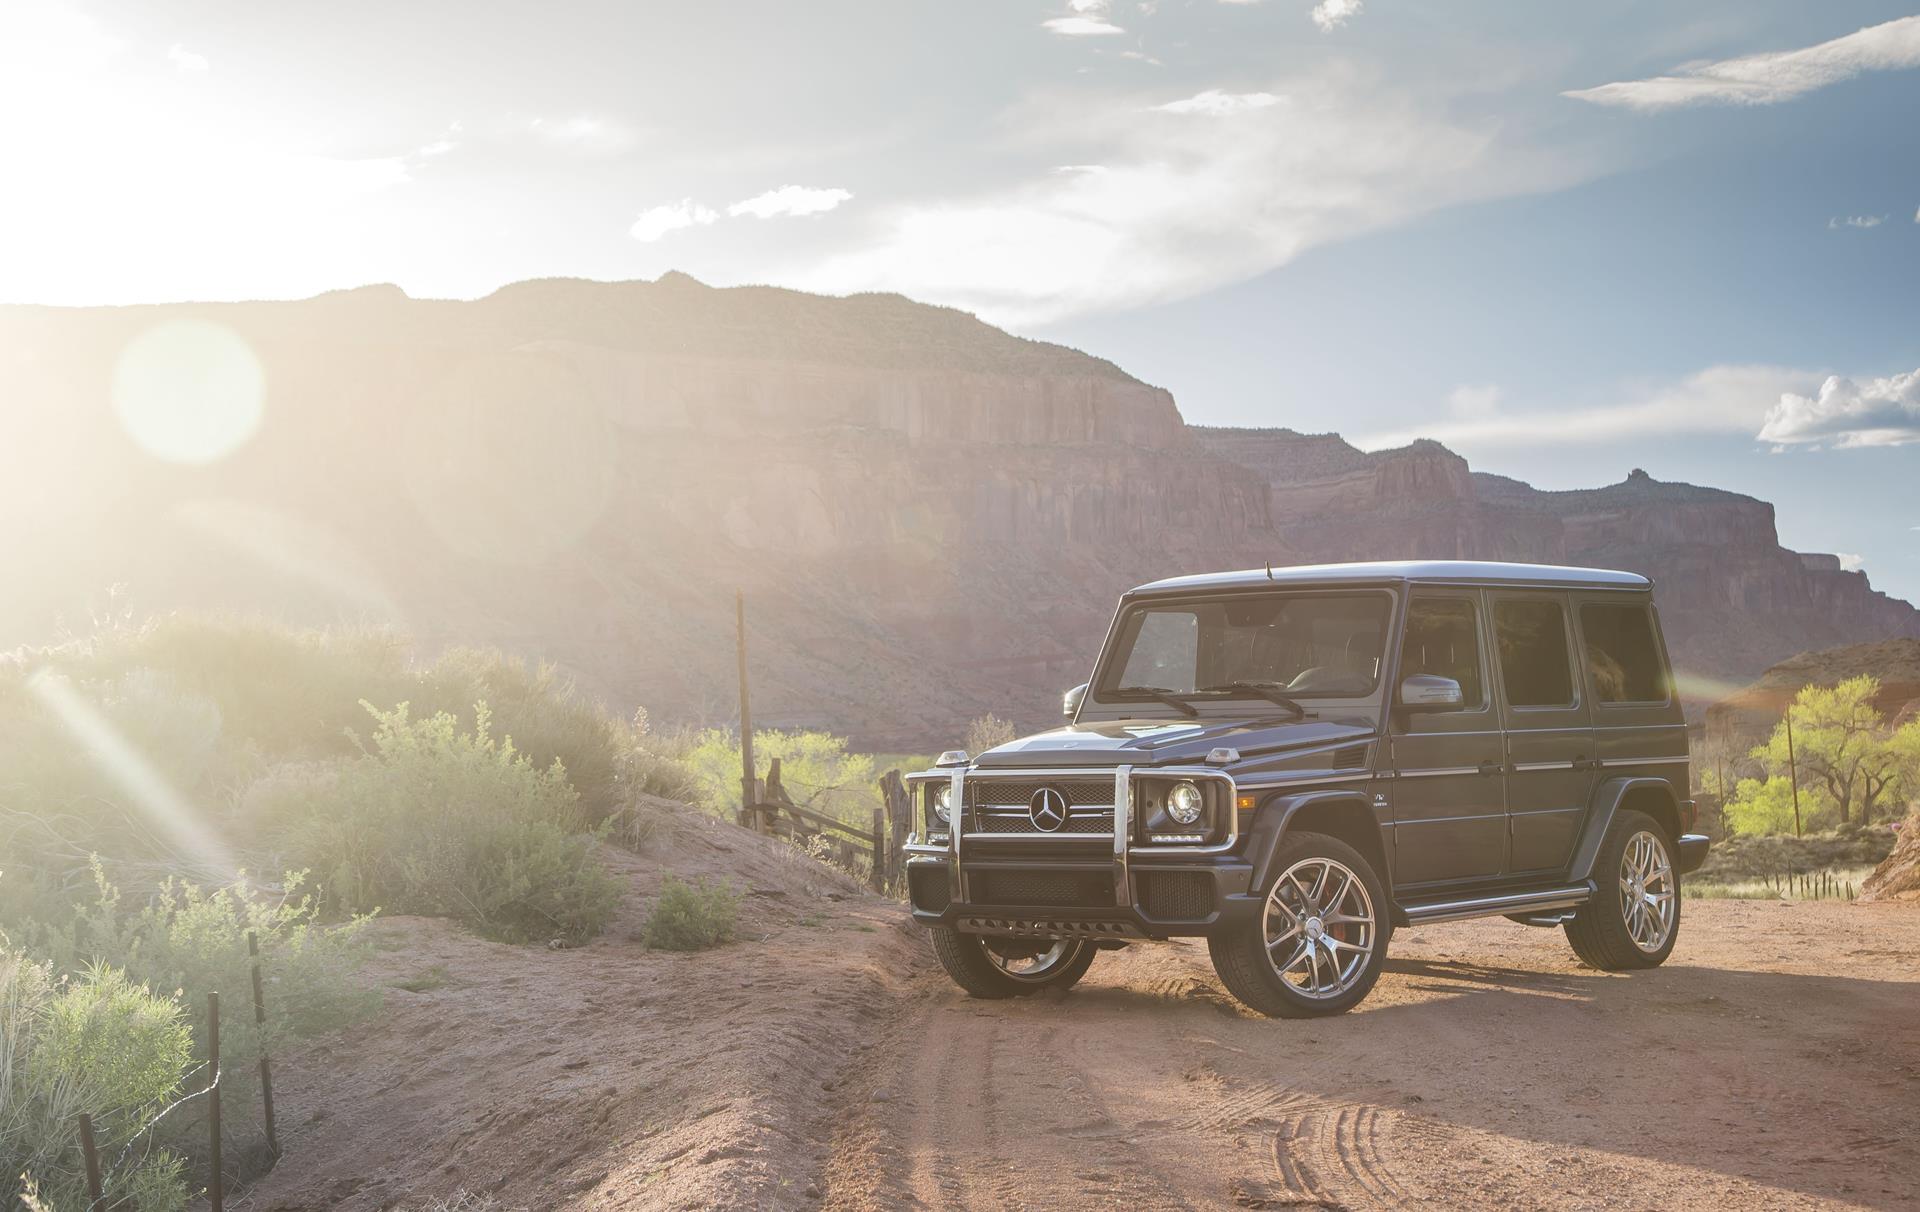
1448 799
1549 729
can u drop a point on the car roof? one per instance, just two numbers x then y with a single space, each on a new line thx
1386 572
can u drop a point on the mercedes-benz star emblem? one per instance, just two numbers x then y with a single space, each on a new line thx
1047 809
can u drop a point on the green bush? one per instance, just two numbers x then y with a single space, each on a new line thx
692 917
100 1045
445 822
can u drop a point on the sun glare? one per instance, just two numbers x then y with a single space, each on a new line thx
189 391
143 783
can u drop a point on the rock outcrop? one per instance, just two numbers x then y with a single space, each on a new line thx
931 518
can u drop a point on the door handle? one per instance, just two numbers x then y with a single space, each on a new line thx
1581 763
1491 768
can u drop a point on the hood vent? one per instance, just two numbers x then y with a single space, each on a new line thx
1352 757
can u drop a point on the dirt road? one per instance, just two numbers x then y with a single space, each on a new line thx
1774 1062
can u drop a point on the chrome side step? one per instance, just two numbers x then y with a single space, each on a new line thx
1492 906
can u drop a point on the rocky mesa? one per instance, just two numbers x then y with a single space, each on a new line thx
931 517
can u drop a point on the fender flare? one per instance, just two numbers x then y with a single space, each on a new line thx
1271 822
1606 801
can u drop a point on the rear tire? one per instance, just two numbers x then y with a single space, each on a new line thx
993 967
1319 943
1633 919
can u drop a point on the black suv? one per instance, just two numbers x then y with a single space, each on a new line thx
1293 761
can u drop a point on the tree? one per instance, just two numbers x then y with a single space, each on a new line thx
986 732
815 768
1840 744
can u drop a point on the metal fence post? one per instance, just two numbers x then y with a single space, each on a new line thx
260 1024
216 1181
96 1197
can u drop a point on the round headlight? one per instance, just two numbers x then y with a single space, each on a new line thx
1184 803
943 804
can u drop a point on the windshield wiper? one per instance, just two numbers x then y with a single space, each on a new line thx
1269 691
1163 694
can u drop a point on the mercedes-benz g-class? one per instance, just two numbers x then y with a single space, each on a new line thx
1291 762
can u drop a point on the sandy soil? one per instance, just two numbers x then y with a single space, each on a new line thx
607 1076
824 1060
1774 1062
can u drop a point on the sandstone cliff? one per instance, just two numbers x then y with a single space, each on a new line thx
931 518
1732 599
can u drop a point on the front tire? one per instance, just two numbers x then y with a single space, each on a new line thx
993 967
1320 940
1634 916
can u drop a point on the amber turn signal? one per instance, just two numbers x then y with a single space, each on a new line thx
1244 803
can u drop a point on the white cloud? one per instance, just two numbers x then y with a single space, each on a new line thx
1719 399
659 221
790 200
1839 221
1916 215
1847 413
1090 8
586 134
1330 15
184 60
1081 27
1182 206
1849 561
1215 103
1765 79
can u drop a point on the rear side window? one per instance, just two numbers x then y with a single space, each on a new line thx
1444 639
1623 654
1535 667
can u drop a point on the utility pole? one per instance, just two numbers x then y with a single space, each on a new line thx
1793 771
746 714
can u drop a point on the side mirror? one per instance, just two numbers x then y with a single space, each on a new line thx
1070 701
1430 692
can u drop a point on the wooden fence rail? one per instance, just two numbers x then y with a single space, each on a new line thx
774 813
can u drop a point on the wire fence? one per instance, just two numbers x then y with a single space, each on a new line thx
108 1185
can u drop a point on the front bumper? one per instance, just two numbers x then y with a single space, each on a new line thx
1165 899
1097 885
1693 851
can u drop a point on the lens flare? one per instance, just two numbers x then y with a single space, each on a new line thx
189 391
137 777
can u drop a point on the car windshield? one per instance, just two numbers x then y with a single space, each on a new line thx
1296 645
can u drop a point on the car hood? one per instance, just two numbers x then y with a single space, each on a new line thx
1160 742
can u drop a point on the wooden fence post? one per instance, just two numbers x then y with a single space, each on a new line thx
96 1197
877 878
893 789
260 1028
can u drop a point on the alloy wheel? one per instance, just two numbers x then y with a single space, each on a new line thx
1647 891
1024 961
1319 928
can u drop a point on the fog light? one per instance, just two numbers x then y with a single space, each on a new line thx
1184 803
943 804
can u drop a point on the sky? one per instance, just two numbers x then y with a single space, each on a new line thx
1566 240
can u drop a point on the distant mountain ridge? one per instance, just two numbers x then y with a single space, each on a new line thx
931 517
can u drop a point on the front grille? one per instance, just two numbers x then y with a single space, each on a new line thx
929 889
1021 823
1176 895
1091 889
997 792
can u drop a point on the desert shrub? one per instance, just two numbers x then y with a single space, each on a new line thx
189 939
99 1044
1746 858
436 820
692 917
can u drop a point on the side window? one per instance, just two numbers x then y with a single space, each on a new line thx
1443 638
1166 653
1534 668
1624 657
